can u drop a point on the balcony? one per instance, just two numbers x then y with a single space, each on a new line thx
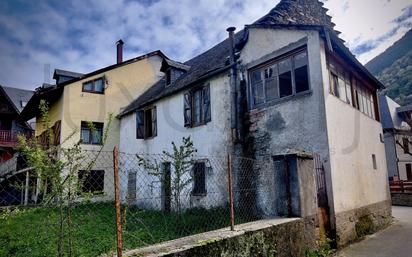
9 138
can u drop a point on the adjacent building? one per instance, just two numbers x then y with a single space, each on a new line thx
12 102
284 84
396 123
78 100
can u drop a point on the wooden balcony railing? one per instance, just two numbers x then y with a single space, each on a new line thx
10 138
400 186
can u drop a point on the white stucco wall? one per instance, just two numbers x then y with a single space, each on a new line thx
212 142
353 138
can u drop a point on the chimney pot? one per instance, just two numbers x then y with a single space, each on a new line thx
231 29
119 46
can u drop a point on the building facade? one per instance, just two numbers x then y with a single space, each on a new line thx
396 122
283 84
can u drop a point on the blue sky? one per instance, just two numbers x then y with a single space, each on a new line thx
79 35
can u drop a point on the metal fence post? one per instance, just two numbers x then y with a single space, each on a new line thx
117 201
230 187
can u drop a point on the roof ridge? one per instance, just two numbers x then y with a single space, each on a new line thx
298 12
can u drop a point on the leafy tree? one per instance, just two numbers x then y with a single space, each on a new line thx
57 168
181 159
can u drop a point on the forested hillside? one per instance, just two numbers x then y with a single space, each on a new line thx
394 69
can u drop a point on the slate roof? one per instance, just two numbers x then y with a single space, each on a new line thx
17 96
287 12
304 12
66 73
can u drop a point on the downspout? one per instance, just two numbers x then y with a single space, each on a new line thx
233 86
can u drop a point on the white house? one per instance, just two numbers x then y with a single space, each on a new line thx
398 138
294 87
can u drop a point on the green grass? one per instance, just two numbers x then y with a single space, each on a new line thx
34 232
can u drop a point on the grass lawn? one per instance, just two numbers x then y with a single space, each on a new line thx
34 232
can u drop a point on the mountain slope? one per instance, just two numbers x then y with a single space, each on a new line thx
394 69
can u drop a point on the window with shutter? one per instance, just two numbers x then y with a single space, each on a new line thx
140 125
206 104
146 123
188 109
197 107
154 121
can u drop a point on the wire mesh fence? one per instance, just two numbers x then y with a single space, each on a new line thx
161 198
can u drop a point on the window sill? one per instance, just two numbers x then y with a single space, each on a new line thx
93 92
283 99
91 144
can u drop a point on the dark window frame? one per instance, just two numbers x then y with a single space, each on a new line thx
190 108
93 82
91 184
362 96
146 123
199 179
374 162
98 126
275 62
408 168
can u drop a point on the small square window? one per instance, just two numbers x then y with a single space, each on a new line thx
91 181
91 133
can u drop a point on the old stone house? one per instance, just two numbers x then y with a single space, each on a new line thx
396 122
284 84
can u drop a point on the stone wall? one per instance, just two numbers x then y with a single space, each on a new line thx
265 238
402 199
354 224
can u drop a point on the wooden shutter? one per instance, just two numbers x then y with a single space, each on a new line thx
206 104
154 121
140 125
131 185
187 109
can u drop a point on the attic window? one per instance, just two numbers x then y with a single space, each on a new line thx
94 86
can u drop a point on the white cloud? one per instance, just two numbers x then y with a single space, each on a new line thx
80 35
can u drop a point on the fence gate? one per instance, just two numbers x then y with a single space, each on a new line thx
323 205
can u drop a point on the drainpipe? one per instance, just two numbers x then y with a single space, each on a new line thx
233 83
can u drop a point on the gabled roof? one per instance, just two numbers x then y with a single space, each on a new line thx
170 63
211 62
291 14
71 74
303 12
52 92
17 96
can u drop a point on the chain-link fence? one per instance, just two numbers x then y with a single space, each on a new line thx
160 197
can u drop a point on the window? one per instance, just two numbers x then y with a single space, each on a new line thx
408 171
351 90
146 123
91 133
131 185
91 181
94 86
280 78
405 143
199 178
374 164
197 110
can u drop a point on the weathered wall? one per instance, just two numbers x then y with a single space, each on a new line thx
292 123
358 188
391 155
124 84
211 139
401 199
269 238
353 224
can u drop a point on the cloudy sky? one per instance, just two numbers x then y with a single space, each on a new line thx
79 35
